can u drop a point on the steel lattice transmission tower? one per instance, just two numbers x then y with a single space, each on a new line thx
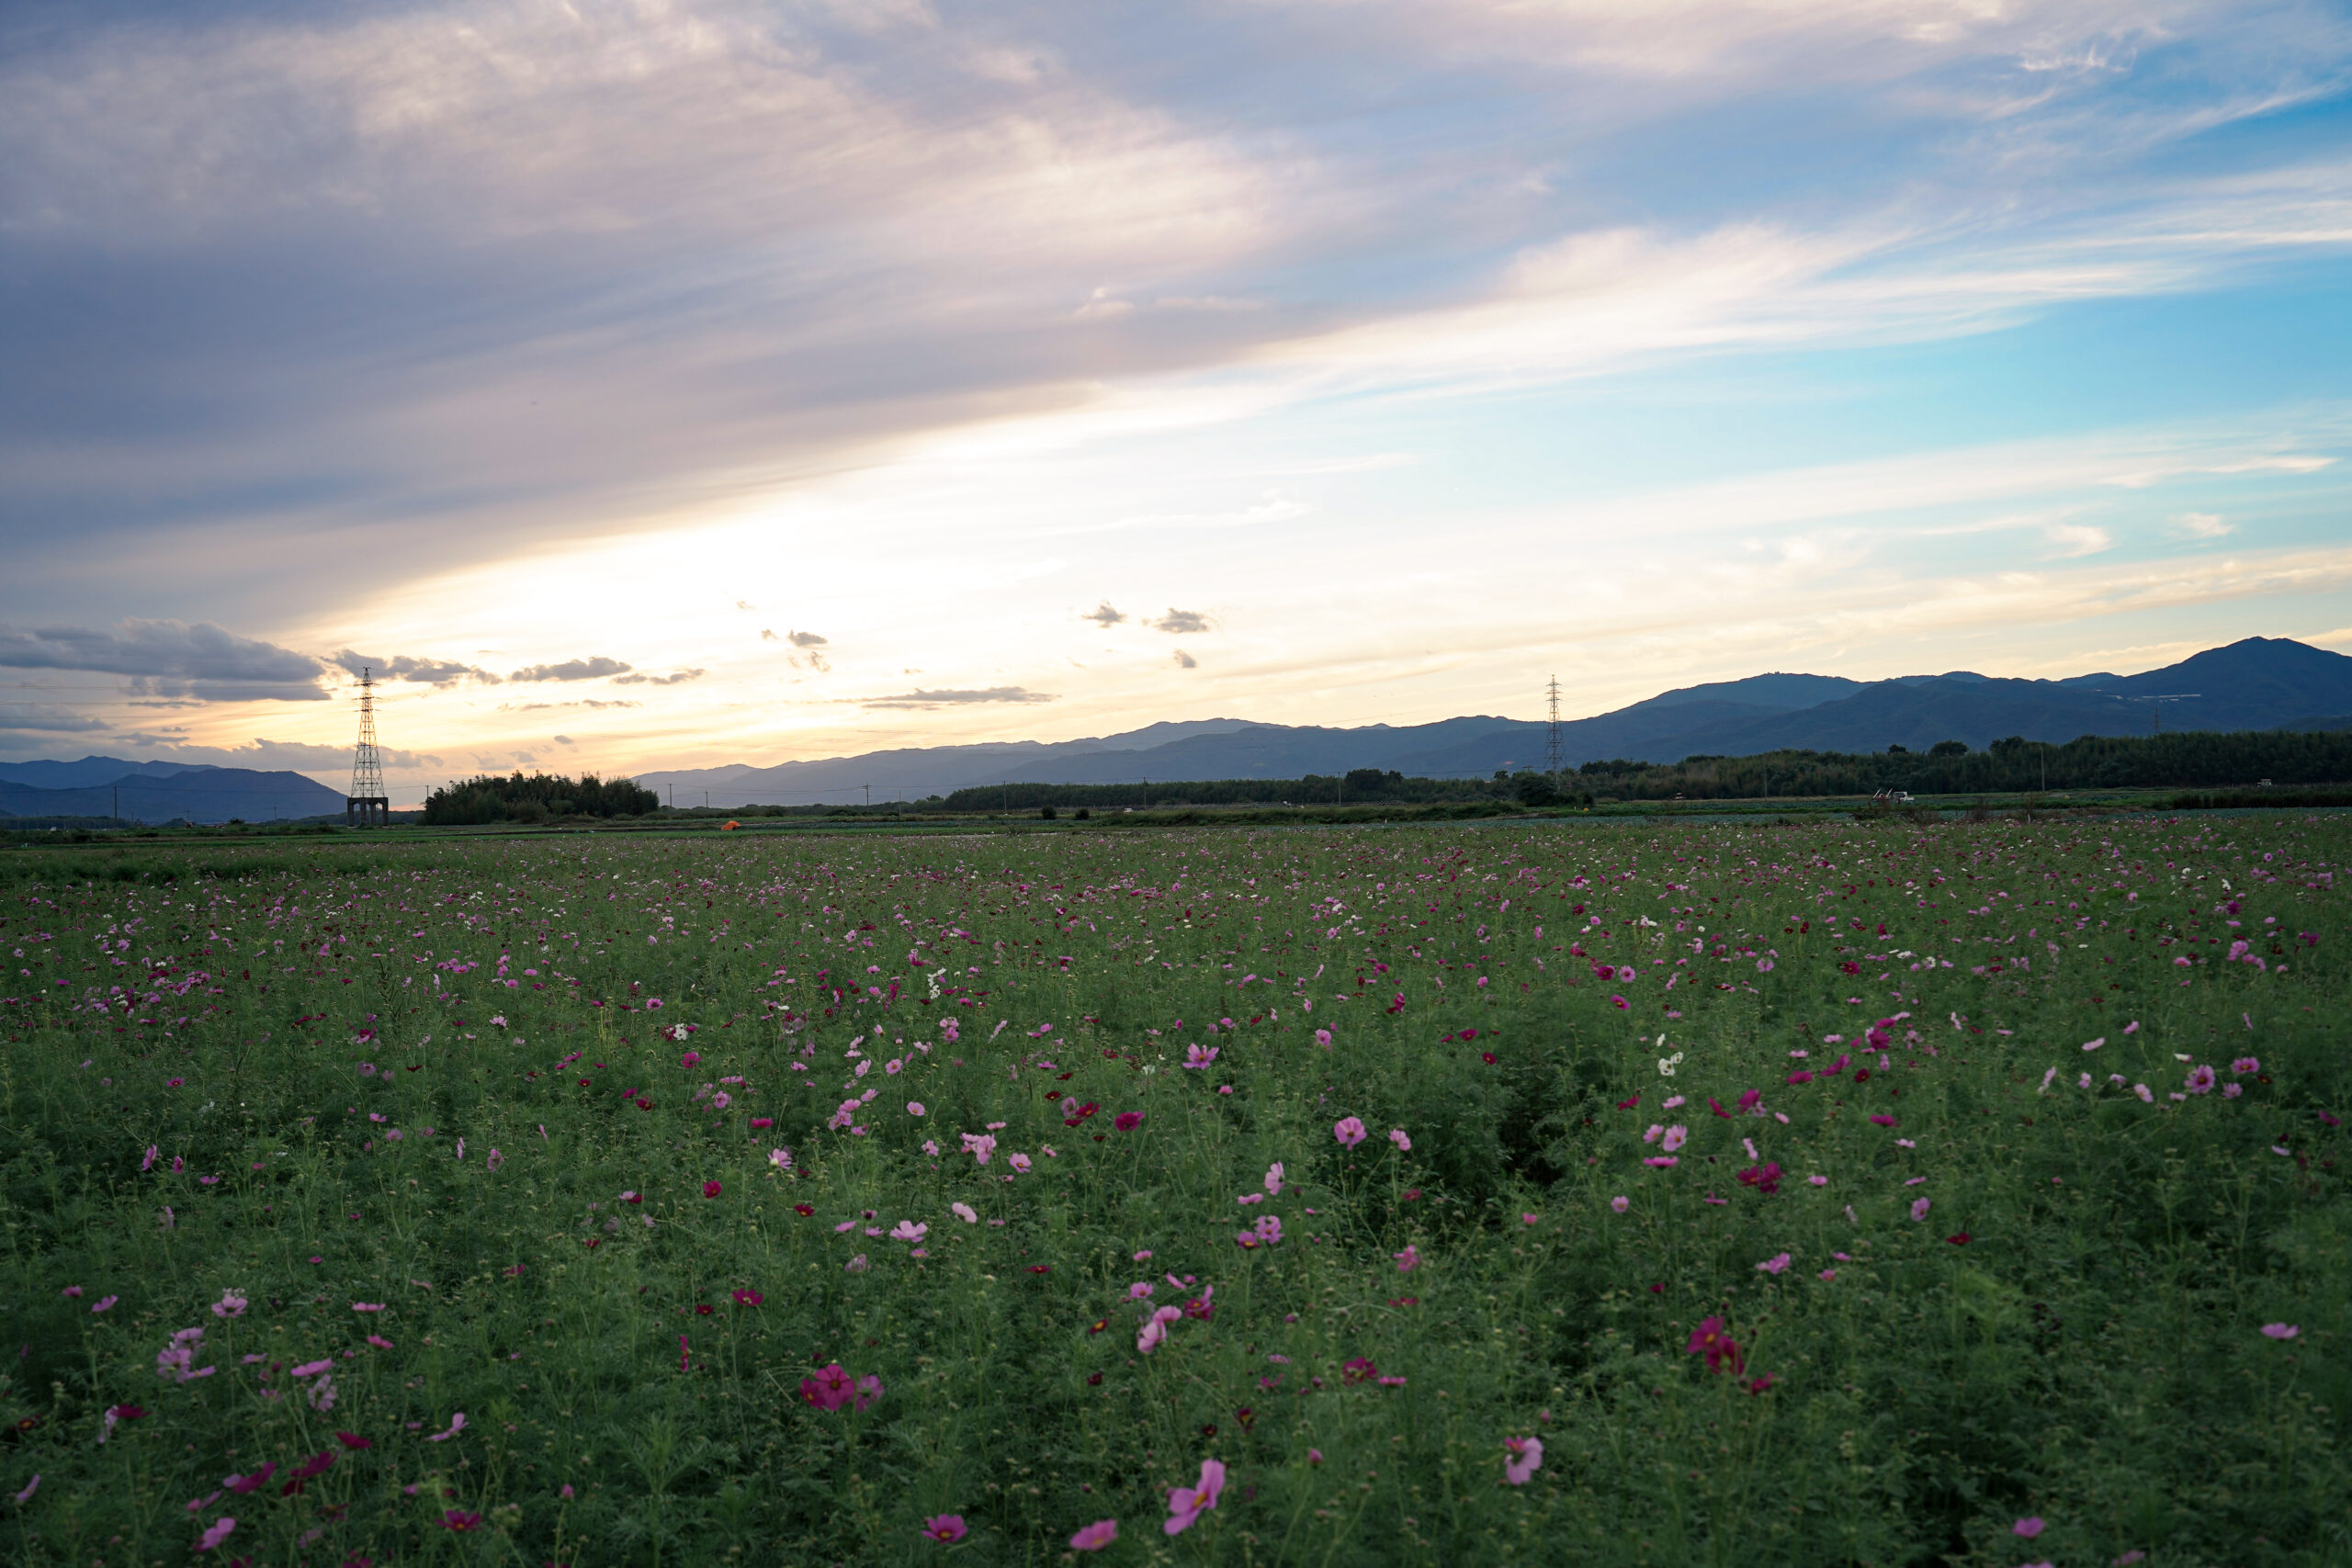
368 806
1551 742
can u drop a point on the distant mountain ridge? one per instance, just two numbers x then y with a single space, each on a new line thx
2257 683
202 794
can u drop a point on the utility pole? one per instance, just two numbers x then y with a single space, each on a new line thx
1552 743
869 794
366 806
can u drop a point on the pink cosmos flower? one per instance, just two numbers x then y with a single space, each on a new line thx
2027 1529
1155 1328
1269 1230
2246 1065
907 1230
1274 1180
2281 1330
1323 1038
944 1527
1663 1160
2200 1080
1195 1058
1919 1207
1621 1203
103 1303
964 1212
1096 1536
1186 1504
219 1531
1526 1459
457 1424
981 1146
1350 1131
1676 1137
1019 1163
1406 1261
1527 1219
366 1306
1773 1265
1397 1137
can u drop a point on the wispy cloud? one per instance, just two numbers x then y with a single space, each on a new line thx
595 669
919 698
675 678
1183 621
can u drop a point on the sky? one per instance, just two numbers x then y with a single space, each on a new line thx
674 383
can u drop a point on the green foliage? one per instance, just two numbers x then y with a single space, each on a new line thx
537 799
2072 1333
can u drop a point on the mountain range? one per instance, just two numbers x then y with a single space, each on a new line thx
159 792
2258 684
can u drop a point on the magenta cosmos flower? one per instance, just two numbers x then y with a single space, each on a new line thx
1127 1121
1096 1536
1186 1504
944 1527
1348 1129
1526 1459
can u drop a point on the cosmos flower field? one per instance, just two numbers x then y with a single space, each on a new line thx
1599 1195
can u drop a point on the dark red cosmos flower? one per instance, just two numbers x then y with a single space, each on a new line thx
1658 1288
1053 1094
1762 1383
1488 1058
1713 1340
127 1412
710 1188
1127 1121
1629 1104
645 1105
458 1519
1963 1239
1361 1369
803 1210
1094 1379
1100 1325
243 1483
1041 1268
1209 1430
354 1441
704 1309
1765 1179
748 1298
632 1197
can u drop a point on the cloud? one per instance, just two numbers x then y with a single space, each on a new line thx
1185 660
270 756
438 673
572 670
2073 539
170 659
549 707
1180 622
766 636
746 604
1103 615
47 721
565 741
923 699
675 678
2201 525
809 658
807 639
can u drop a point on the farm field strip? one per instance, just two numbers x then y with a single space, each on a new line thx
1834 1193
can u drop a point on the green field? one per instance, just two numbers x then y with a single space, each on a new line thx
1993 1214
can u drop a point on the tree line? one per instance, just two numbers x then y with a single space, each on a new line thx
539 797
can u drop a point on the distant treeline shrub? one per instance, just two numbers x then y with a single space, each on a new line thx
2187 760
488 798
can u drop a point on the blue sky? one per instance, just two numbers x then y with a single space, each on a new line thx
697 381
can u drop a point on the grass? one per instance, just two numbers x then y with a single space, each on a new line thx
303 1035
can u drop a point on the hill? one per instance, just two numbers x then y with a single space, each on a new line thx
2258 684
199 795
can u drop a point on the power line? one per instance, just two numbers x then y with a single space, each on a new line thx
1552 743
